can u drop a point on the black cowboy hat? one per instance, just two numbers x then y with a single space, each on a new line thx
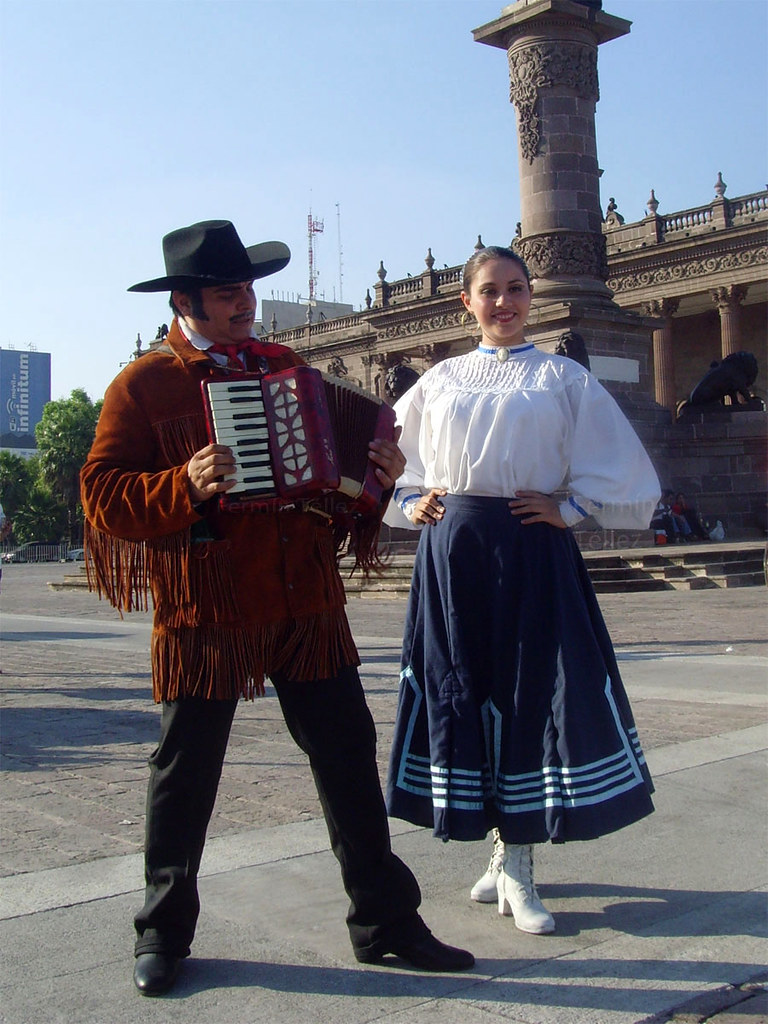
210 253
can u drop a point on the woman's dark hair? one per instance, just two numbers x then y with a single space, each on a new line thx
491 252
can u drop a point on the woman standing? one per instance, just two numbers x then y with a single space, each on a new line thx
512 714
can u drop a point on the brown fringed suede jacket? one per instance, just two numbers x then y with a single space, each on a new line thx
237 595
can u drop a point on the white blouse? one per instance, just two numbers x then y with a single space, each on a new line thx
537 422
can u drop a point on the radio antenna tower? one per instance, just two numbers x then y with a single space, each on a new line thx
338 233
314 227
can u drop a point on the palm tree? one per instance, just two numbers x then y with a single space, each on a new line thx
64 437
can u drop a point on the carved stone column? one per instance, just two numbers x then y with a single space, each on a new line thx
551 48
663 357
728 302
552 52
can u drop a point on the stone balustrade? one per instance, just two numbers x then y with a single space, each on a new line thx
685 220
656 229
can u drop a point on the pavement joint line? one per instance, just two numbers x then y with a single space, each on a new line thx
54 888
697 753
34 892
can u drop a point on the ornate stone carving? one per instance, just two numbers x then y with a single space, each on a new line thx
375 359
730 297
662 307
634 280
541 66
564 254
422 325
337 367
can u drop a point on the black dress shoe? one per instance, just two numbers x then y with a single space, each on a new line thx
420 949
155 973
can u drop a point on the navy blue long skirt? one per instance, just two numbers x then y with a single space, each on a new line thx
512 713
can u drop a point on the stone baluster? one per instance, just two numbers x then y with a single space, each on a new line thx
663 356
728 301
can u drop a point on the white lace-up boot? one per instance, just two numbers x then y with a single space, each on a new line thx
517 893
484 890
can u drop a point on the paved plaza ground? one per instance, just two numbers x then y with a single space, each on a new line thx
650 920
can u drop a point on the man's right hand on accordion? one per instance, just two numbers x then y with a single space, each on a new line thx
210 472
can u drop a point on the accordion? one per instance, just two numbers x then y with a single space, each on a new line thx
297 435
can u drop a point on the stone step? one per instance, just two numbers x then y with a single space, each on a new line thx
629 586
610 572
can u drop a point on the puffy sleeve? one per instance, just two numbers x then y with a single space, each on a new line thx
410 486
611 477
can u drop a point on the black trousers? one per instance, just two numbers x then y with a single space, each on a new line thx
330 721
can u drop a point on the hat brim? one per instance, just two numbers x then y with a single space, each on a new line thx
266 258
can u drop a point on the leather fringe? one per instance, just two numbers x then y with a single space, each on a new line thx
116 569
179 439
225 662
358 536
172 569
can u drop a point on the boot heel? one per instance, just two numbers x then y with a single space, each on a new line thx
505 907
517 893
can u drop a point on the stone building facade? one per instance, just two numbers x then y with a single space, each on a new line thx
698 278
655 302
696 282
703 274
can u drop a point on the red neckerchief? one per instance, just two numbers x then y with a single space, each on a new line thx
256 348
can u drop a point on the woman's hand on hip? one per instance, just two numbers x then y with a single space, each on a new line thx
429 509
537 508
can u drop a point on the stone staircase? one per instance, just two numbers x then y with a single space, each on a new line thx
677 567
680 567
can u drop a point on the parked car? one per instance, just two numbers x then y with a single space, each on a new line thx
33 551
74 555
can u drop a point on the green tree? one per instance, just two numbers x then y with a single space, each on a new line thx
17 477
43 517
64 436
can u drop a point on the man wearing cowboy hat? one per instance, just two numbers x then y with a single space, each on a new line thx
237 595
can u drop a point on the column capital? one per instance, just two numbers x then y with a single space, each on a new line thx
433 353
564 253
662 307
729 297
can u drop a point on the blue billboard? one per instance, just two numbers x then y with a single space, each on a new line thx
25 387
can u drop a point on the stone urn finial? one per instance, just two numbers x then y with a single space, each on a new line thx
479 244
381 272
720 185
429 259
368 299
653 204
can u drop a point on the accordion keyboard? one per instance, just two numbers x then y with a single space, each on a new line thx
237 411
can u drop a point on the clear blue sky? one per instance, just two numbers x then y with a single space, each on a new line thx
123 119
